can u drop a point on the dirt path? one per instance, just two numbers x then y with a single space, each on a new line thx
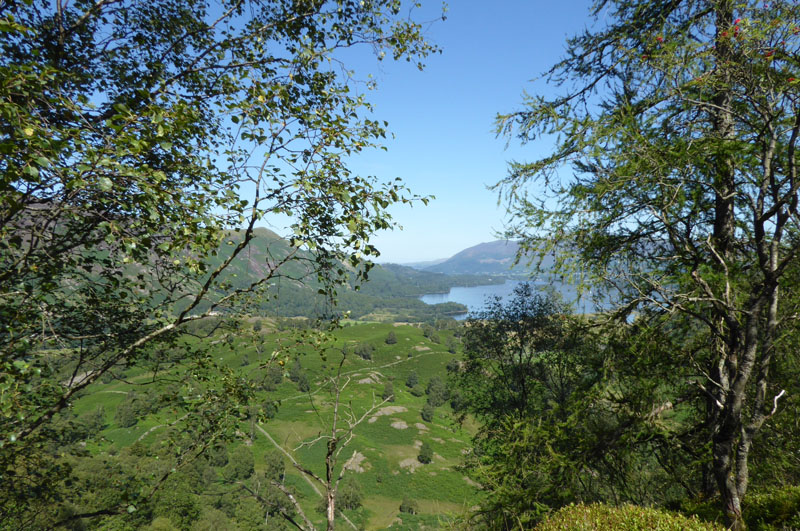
367 369
290 456
145 434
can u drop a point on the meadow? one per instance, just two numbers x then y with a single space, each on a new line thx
382 455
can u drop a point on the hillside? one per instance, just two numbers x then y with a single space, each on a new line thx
381 458
390 294
491 258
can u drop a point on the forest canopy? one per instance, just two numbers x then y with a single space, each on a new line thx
135 139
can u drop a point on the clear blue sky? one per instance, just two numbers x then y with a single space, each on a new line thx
443 117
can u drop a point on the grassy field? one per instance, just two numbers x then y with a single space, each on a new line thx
383 451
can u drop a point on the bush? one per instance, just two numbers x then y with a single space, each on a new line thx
425 453
427 412
777 508
417 390
624 518
295 371
302 383
391 339
364 351
437 392
348 496
409 506
412 379
388 392
240 464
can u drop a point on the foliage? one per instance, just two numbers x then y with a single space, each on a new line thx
178 503
391 338
134 407
412 379
452 344
520 358
679 122
564 414
770 509
425 453
623 518
140 145
437 392
303 384
364 350
427 412
409 506
240 464
295 371
349 494
388 392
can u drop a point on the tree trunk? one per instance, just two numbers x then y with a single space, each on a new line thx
330 512
727 344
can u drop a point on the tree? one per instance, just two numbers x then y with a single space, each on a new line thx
296 371
364 351
425 453
388 391
240 464
531 377
412 379
437 392
391 338
409 506
339 432
518 356
303 384
427 412
680 121
141 144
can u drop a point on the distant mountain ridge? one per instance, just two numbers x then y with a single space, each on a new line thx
490 258
391 293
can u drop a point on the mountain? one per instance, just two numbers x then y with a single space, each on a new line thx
391 293
491 258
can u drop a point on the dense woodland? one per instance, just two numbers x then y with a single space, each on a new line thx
167 364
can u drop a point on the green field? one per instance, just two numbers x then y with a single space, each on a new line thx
382 454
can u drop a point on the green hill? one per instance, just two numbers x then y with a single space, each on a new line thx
390 294
381 459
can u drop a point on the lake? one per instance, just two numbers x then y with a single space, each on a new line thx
475 297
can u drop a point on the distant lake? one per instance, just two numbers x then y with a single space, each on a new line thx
475 297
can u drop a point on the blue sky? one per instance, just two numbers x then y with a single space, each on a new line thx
443 117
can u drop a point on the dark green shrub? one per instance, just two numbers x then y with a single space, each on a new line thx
391 339
302 384
425 453
774 509
412 379
240 464
427 413
388 392
409 506
364 351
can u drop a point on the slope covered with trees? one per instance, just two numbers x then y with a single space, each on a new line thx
134 137
673 184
